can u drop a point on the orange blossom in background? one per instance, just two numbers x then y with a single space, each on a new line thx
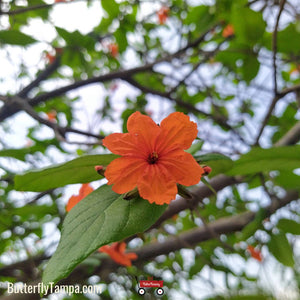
153 157
255 253
83 192
117 253
51 115
163 14
113 49
228 31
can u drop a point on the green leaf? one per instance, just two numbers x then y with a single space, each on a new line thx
290 226
288 180
13 37
263 160
195 147
15 153
250 68
218 162
196 268
111 7
202 16
76 38
208 185
249 25
280 247
32 212
288 40
250 229
99 219
79 170
121 39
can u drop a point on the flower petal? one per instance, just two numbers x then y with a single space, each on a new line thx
124 172
121 247
85 190
116 253
131 255
156 185
183 167
177 130
145 128
72 202
125 144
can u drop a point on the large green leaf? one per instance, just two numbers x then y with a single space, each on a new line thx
15 38
262 160
280 247
79 170
99 219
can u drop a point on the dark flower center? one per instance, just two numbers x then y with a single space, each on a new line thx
152 158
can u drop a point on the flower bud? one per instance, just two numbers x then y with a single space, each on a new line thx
100 170
207 170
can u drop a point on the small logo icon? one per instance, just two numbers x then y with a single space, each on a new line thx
150 283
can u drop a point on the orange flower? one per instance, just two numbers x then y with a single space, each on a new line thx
153 157
113 49
163 14
295 70
51 115
228 31
83 192
117 253
256 254
50 58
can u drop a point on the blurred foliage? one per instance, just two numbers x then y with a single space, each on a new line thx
214 60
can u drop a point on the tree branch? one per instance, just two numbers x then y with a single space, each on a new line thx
218 183
191 108
42 76
9 108
291 137
26 9
288 90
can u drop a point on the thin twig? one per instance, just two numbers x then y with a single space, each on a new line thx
42 76
274 46
212 232
288 90
25 9
277 95
31 8
59 130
